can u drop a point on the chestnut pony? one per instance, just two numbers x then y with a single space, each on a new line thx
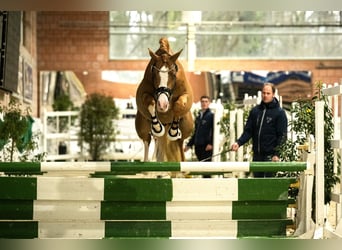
164 99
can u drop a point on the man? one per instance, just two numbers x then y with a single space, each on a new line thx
267 127
202 137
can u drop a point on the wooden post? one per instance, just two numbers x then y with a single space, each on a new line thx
319 173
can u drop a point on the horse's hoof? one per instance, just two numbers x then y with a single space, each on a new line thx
160 132
174 137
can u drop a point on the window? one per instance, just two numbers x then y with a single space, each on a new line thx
228 34
133 32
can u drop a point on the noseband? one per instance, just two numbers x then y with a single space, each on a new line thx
164 90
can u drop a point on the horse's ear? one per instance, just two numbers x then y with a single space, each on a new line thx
152 54
174 57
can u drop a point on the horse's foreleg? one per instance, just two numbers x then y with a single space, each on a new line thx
181 106
157 127
181 128
186 125
174 132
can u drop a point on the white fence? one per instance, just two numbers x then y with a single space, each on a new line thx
334 93
62 143
60 135
128 146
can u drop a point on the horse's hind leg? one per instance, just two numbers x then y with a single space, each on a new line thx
146 150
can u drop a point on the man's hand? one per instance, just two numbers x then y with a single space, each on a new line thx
209 147
235 146
275 158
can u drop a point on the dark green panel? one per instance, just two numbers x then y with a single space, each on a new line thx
20 167
264 228
21 188
19 230
111 210
120 166
138 189
259 210
264 188
138 229
16 210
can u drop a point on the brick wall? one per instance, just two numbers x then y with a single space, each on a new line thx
78 41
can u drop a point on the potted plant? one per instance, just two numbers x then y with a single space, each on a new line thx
16 137
96 124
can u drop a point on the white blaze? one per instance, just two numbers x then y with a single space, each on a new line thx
164 76
163 102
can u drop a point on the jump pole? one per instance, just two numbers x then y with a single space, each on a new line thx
117 167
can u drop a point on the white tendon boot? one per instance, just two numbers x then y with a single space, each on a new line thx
174 132
157 127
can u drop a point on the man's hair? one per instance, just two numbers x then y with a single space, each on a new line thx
271 85
205 97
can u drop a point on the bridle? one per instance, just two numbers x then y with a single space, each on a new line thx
162 90
165 90
166 71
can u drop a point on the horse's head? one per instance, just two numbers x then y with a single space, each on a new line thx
164 72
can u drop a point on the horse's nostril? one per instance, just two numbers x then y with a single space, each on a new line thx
163 106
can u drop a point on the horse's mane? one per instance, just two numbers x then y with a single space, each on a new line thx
164 47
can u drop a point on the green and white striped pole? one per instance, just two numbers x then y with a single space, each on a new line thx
117 167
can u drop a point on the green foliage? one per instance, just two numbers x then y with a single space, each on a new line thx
288 151
96 121
303 124
16 134
62 103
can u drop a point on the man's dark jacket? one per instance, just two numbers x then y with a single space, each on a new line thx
203 134
267 126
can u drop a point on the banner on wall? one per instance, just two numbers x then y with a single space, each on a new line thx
233 85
